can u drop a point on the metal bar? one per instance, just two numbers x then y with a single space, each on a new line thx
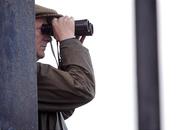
147 65
18 82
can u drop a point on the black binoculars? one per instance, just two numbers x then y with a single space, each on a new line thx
82 28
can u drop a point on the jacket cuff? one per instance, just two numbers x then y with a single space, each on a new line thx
74 53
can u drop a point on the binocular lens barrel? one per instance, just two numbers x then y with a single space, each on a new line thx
82 28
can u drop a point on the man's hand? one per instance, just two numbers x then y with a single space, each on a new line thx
63 28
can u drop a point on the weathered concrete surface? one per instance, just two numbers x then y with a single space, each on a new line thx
18 82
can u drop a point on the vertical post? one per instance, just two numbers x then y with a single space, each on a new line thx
147 65
18 92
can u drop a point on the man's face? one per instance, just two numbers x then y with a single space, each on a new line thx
40 39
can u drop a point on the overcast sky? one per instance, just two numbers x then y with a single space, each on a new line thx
112 48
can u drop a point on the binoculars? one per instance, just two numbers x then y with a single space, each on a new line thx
82 28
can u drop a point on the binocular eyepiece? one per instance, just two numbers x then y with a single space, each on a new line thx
82 28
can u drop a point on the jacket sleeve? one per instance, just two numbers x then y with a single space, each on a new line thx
72 85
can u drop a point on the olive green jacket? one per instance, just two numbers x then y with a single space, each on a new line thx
63 90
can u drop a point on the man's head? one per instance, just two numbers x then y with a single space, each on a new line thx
43 15
40 39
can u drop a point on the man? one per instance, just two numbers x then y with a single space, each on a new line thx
61 90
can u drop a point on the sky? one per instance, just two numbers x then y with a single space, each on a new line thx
112 49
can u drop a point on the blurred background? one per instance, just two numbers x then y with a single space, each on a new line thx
112 49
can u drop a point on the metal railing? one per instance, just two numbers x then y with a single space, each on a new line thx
147 65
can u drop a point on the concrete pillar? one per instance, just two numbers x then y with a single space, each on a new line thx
147 65
18 82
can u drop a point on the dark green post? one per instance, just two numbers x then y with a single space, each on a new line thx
147 65
18 82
